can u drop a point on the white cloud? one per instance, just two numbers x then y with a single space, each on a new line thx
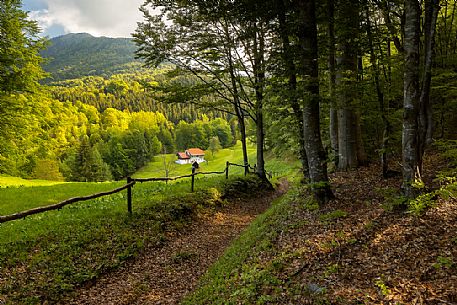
112 18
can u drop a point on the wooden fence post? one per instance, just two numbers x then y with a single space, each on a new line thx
227 165
129 196
193 178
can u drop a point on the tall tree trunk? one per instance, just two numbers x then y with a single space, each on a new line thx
236 98
291 73
259 82
346 80
307 35
242 126
425 108
379 92
411 96
332 80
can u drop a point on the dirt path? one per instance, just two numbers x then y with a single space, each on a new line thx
167 274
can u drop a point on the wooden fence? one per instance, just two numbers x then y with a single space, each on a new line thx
130 183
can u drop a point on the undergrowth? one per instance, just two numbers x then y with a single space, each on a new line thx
446 178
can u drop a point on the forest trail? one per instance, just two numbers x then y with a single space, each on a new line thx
165 275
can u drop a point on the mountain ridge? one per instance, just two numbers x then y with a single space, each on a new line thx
77 55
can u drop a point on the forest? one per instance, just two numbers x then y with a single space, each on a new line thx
351 102
305 78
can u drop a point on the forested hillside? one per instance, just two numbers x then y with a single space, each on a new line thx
99 127
77 55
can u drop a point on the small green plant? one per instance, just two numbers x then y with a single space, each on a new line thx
184 256
331 269
384 290
421 203
334 215
443 262
393 200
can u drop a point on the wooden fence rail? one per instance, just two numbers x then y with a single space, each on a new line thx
130 183
61 204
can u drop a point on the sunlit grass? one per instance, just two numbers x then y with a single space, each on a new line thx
16 199
234 154
46 256
7 181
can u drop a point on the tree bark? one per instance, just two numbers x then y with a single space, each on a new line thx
425 128
291 73
332 80
259 82
411 93
346 79
315 152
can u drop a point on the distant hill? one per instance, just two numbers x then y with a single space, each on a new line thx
76 55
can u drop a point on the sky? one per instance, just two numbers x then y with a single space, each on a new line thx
110 18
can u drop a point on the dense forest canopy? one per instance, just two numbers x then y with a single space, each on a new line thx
336 84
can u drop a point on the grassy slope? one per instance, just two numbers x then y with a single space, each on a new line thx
45 256
351 251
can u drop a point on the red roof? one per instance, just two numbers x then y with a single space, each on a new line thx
195 152
182 155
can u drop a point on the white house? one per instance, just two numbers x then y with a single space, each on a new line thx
190 156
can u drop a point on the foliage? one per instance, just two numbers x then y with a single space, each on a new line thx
214 146
20 72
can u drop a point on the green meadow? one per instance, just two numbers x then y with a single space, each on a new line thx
234 154
45 257
8 181
157 168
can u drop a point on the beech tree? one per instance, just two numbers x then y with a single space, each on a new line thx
346 82
417 109
315 152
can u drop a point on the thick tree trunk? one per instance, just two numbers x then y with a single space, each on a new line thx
346 79
332 80
291 73
315 152
411 96
242 127
260 142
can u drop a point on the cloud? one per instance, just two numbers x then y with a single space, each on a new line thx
112 18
